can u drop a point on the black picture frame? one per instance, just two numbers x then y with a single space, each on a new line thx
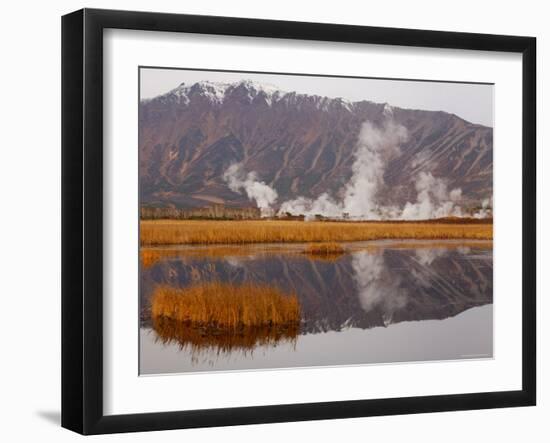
82 219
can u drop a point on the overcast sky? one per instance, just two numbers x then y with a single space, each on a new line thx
472 102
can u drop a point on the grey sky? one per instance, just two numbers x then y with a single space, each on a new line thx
472 102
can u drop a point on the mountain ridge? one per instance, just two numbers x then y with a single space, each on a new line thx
270 89
299 144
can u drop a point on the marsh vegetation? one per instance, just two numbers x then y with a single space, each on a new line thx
171 232
224 316
227 306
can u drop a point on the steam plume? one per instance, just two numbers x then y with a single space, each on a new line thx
486 209
359 198
433 200
256 190
374 149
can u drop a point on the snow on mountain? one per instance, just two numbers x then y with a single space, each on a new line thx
218 92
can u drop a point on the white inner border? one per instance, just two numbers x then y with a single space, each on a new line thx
125 392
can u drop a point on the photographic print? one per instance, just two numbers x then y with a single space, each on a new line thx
294 221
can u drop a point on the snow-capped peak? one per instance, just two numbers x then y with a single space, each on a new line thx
267 88
213 90
217 91
249 90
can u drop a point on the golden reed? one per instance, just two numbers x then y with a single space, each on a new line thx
166 232
224 316
324 249
226 306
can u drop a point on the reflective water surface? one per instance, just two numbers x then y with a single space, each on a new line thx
377 303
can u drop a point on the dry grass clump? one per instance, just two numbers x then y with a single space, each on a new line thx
165 232
226 306
324 249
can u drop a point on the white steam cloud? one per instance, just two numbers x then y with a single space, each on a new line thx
433 200
376 146
264 195
486 209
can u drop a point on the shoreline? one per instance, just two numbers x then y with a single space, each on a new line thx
350 246
151 254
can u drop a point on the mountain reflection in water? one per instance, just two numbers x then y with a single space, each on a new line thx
363 289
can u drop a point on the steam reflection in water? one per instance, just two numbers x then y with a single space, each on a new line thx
363 307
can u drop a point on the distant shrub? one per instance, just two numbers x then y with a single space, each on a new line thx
325 249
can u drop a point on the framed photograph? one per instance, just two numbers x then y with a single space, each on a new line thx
270 221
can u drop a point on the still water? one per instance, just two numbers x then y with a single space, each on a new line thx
380 302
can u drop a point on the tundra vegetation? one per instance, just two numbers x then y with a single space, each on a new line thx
228 306
207 232
325 251
224 316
